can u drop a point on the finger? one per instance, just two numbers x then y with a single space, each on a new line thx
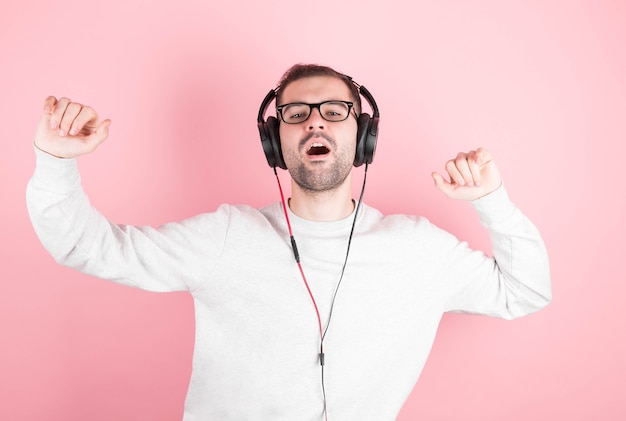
463 167
454 173
57 113
71 112
85 122
474 167
441 183
48 104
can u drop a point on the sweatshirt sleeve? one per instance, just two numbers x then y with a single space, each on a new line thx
173 257
516 280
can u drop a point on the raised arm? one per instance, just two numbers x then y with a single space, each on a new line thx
171 257
516 281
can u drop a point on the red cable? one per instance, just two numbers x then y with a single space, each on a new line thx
306 284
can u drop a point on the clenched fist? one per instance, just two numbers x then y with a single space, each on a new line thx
68 129
472 175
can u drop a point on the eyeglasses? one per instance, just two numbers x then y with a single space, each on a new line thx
298 112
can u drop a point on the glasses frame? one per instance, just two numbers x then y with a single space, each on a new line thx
279 110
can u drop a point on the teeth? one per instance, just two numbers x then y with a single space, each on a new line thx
317 148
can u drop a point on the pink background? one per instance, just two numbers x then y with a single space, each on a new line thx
542 84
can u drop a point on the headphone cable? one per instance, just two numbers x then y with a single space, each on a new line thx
306 284
343 269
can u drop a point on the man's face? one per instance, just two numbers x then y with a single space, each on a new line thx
319 154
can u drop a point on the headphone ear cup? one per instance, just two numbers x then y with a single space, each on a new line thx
266 143
371 140
269 133
273 150
362 134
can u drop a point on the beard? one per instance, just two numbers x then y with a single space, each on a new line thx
326 177
320 181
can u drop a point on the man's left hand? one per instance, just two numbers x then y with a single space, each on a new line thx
472 175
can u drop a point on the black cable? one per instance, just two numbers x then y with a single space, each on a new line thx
343 269
323 388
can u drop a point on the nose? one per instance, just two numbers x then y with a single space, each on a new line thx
315 120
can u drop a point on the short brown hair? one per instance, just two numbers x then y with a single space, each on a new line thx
301 71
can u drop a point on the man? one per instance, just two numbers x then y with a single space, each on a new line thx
278 339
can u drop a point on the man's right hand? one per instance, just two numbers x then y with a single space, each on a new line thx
68 129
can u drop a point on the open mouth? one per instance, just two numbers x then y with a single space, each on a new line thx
317 149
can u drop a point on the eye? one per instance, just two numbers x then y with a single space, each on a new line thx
295 113
336 110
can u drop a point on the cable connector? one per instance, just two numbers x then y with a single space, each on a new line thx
295 249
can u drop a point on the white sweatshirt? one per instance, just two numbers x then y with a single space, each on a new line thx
257 338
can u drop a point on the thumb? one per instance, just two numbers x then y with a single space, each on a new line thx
100 135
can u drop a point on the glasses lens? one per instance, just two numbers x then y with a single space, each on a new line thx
295 113
334 110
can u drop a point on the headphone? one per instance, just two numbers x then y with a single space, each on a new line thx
367 131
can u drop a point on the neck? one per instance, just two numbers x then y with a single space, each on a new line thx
326 206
